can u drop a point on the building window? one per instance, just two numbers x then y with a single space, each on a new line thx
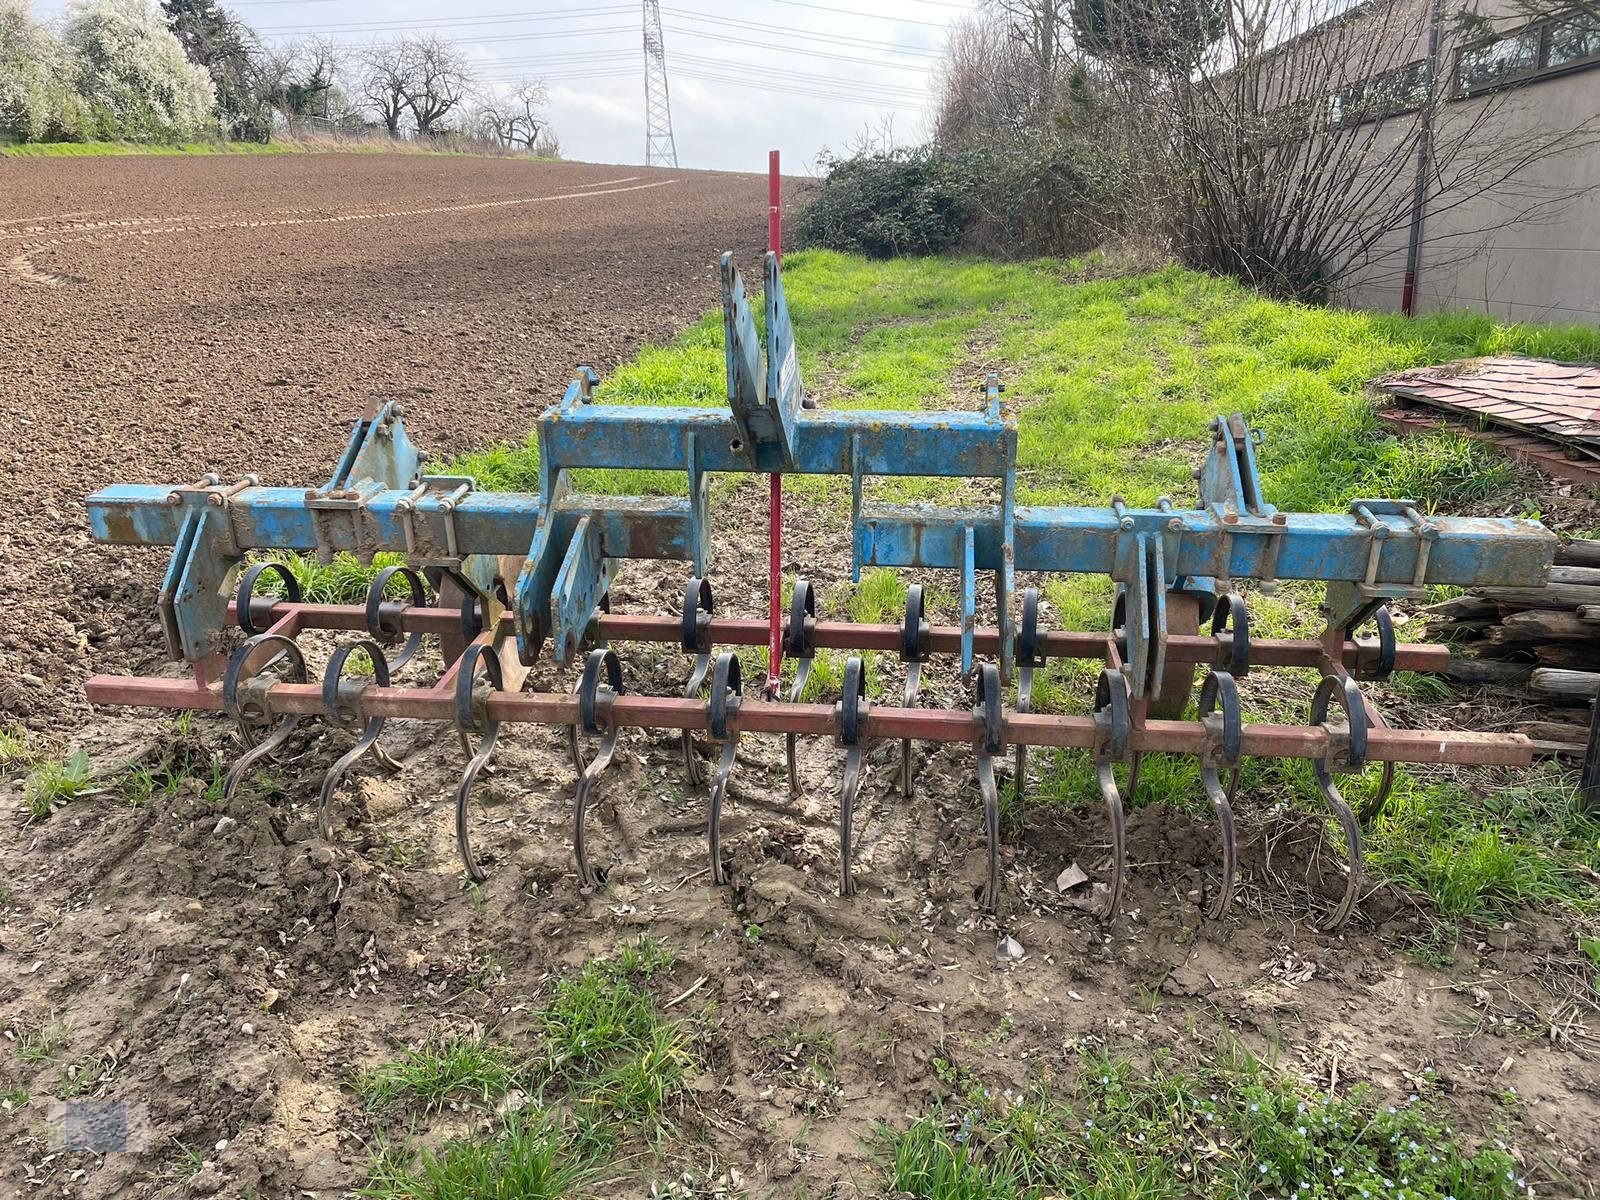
1395 91
1548 47
1574 40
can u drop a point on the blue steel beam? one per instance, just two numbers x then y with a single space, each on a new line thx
486 523
1468 551
950 445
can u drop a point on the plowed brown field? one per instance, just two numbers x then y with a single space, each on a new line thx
161 317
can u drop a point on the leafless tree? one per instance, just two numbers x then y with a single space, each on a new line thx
515 118
383 79
1302 140
438 80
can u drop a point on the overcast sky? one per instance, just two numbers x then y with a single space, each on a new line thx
745 77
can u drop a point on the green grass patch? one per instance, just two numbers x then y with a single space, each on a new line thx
41 1041
1228 1126
458 1067
531 1156
1523 840
15 748
600 1062
55 781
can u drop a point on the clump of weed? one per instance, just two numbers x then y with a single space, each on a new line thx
458 1067
1224 1126
530 1156
39 1042
15 748
55 781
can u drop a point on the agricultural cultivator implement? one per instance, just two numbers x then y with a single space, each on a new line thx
498 579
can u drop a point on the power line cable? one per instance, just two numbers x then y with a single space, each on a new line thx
846 40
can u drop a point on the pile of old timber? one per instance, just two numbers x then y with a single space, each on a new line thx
1545 640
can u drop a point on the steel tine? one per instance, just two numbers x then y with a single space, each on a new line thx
721 709
591 775
913 685
691 761
1116 728
1230 851
847 808
989 715
802 674
1353 851
463 790
232 678
367 741
335 776
698 605
852 713
1223 716
1119 841
256 753
594 714
799 644
991 827
467 721
1349 696
1019 781
1027 657
719 788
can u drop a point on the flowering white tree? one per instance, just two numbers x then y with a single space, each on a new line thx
36 97
134 76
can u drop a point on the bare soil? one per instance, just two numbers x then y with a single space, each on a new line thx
227 970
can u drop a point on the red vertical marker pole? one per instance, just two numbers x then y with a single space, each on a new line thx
775 480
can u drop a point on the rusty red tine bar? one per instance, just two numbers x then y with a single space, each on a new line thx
819 720
846 635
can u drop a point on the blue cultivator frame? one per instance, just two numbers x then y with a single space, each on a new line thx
522 571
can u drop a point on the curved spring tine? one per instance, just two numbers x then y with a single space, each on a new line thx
991 826
691 761
1119 847
378 609
256 753
586 781
989 714
463 790
913 685
258 747
799 643
1019 782
369 733
335 776
489 730
802 673
594 714
1374 805
719 787
847 807
1349 696
1221 800
1352 845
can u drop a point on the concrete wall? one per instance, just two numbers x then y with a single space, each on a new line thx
1485 252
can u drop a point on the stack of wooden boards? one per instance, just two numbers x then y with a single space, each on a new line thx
1544 639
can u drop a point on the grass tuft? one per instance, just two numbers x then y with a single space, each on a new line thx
434 1074
54 781
1227 1126
529 1157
